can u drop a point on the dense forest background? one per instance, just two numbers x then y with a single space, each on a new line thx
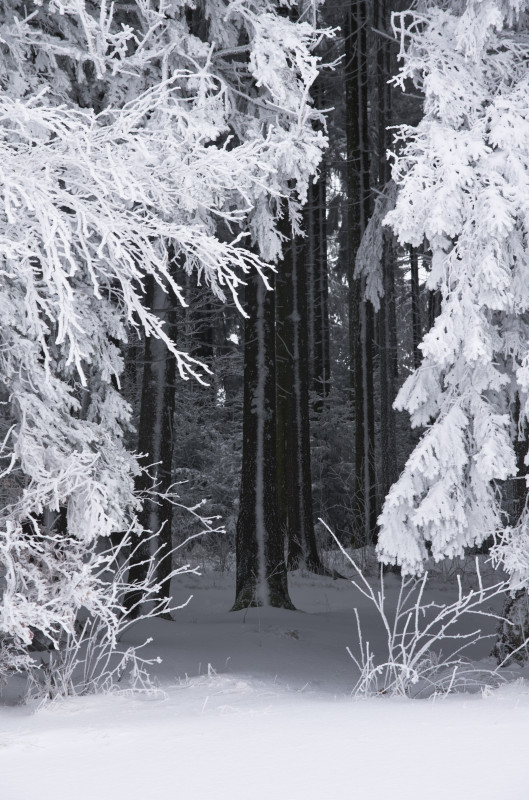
342 331
348 311
245 242
264 398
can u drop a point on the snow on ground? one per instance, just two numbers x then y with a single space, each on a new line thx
258 705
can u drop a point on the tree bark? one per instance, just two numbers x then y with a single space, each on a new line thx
416 327
293 410
155 441
513 631
361 318
315 220
387 322
434 306
261 577
387 341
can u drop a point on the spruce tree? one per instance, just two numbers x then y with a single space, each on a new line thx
463 187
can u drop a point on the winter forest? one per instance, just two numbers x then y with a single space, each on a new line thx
264 399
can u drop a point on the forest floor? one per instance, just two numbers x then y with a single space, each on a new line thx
257 705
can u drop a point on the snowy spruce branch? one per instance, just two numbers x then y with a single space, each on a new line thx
462 180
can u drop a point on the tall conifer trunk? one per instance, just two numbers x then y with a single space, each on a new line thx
283 393
513 629
387 342
261 577
294 460
316 268
387 323
434 306
416 326
361 318
155 439
318 290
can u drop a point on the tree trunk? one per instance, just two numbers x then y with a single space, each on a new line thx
315 219
387 330
155 441
512 643
434 306
361 319
261 571
387 322
293 411
283 393
416 327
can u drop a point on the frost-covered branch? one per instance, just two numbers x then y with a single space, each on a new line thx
462 178
124 150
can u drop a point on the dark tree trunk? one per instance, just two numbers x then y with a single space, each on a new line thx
521 443
416 327
316 268
283 393
434 306
387 322
512 643
293 410
317 282
155 441
261 571
361 318
387 329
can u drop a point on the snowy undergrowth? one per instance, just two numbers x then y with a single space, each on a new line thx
414 663
278 692
92 659
425 646
404 637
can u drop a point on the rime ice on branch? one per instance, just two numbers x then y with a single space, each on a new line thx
127 132
463 178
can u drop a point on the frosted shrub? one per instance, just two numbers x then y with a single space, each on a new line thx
424 649
92 659
12 661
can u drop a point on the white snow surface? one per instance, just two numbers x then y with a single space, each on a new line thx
258 705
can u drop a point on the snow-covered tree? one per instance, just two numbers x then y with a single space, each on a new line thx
127 133
463 178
